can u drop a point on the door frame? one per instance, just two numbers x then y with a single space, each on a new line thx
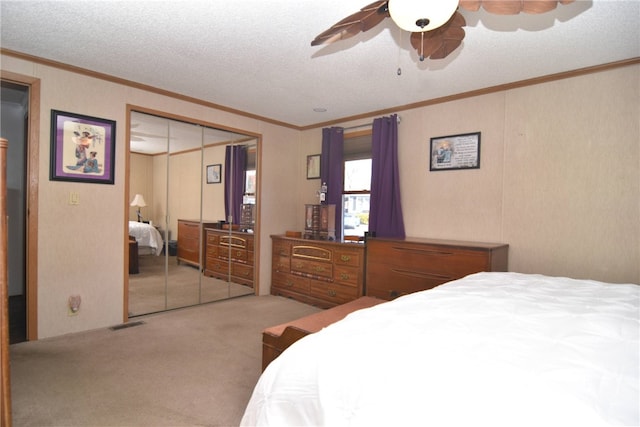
32 172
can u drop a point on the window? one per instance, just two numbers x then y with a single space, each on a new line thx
250 178
357 184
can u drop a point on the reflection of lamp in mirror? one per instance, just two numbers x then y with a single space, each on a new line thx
139 202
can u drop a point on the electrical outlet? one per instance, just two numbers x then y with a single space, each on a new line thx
74 305
74 198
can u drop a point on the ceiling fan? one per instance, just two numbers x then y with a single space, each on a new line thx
435 25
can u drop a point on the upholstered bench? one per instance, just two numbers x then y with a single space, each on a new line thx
277 339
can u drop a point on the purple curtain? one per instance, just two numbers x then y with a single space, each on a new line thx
331 170
385 215
235 168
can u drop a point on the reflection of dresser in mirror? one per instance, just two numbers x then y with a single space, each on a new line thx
229 255
190 239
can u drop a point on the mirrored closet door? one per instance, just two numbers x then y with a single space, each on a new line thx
194 230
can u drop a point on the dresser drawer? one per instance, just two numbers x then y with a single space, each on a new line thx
449 262
313 268
333 292
234 253
281 264
212 251
188 230
243 271
282 248
391 282
213 238
311 252
216 265
290 282
346 275
234 241
352 257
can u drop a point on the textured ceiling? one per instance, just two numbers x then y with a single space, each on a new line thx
255 55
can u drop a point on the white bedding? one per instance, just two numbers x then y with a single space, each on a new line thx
492 349
147 236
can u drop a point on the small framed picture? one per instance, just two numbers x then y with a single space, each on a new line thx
455 152
82 148
313 166
214 174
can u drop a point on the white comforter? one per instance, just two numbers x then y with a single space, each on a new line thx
146 235
492 349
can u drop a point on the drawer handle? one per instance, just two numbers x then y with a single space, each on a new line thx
331 293
289 283
239 253
422 275
425 251
319 269
344 276
345 258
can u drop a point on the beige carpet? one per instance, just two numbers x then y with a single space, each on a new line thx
189 367
164 284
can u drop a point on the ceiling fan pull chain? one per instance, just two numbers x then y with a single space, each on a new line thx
399 51
422 46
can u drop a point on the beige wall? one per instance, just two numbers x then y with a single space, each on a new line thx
81 248
559 181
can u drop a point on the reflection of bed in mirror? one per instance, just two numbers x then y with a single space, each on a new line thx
148 237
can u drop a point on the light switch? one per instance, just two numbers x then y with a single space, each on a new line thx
74 198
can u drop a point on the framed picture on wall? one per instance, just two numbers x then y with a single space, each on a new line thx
313 166
82 148
455 152
214 174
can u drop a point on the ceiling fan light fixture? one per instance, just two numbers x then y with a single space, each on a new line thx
421 15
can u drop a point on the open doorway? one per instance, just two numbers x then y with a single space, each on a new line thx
14 125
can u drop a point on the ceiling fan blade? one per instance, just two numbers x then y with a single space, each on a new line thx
447 46
512 7
367 18
439 43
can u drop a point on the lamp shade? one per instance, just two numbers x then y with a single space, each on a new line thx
138 201
421 15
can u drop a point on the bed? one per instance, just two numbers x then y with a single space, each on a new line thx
491 349
148 237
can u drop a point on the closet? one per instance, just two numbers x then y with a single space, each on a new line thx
196 180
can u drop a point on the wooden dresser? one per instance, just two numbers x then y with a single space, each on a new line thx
189 240
399 267
223 246
317 272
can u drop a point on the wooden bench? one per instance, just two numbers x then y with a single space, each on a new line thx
277 339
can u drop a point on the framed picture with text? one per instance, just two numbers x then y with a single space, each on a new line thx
455 152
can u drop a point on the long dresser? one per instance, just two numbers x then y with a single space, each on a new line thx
398 267
317 272
223 246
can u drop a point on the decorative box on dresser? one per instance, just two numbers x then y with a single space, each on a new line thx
317 272
190 238
225 245
397 267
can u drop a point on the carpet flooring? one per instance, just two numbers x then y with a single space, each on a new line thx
195 366
163 284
